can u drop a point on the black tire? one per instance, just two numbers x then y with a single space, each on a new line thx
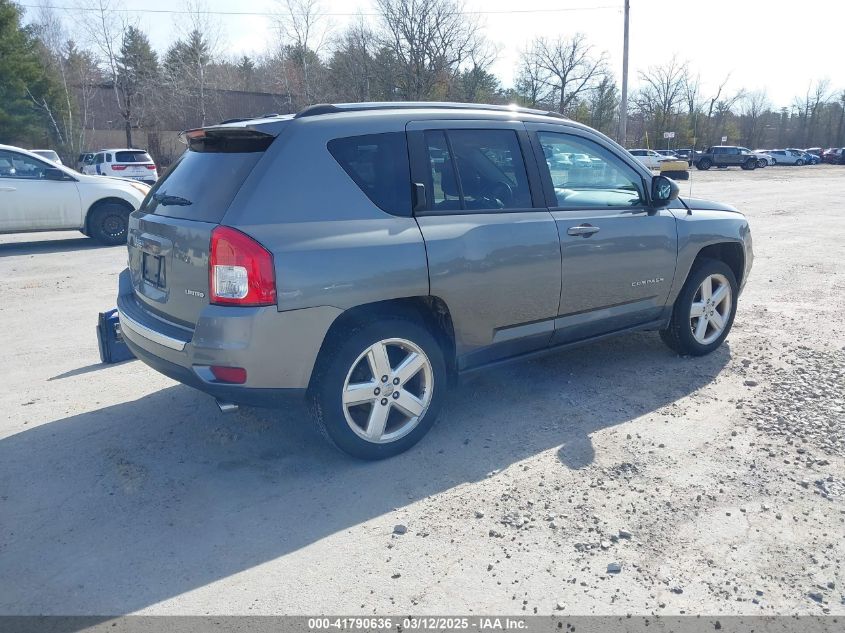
704 164
108 223
799 162
751 164
679 336
330 376
761 163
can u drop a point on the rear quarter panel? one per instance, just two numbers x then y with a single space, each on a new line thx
331 245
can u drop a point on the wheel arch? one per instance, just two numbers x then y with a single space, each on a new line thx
429 310
731 253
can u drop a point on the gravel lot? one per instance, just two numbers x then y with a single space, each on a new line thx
715 485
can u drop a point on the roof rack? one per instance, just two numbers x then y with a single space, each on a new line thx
336 108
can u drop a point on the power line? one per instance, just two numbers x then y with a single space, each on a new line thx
270 15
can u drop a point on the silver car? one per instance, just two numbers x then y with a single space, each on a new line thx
364 256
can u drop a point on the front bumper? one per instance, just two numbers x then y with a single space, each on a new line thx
277 349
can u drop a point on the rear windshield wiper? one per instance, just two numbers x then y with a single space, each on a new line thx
168 200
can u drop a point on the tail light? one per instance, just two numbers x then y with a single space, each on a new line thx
150 166
118 167
240 270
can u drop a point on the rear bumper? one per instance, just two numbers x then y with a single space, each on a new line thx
277 349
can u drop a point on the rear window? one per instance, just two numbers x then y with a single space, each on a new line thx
132 157
378 164
200 185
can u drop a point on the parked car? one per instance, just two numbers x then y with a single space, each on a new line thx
688 154
327 255
124 163
763 159
787 157
648 157
668 153
809 159
726 156
817 151
49 154
834 156
84 159
37 195
770 159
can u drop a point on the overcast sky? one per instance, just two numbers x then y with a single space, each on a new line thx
779 45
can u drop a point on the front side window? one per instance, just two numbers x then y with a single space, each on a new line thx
98 159
14 165
602 181
476 170
378 164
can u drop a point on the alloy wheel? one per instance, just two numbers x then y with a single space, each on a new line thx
388 390
711 309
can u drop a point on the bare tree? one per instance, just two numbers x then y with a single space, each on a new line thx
429 40
353 71
753 107
303 31
664 89
569 68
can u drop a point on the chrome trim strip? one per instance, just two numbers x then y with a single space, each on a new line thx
128 323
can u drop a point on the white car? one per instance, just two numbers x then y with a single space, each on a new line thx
764 159
649 157
36 195
123 163
48 154
787 157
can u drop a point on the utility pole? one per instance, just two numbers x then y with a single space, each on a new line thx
623 108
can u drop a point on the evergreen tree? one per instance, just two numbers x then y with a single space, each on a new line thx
137 71
28 91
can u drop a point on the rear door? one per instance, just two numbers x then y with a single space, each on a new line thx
618 254
492 246
170 235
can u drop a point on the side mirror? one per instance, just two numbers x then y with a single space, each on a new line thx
663 190
51 173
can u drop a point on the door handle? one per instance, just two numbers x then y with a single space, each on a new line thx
584 230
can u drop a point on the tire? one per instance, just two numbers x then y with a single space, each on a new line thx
108 223
346 425
799 162
761 163
679 336
750 164
704 164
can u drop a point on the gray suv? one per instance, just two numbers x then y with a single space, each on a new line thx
365 255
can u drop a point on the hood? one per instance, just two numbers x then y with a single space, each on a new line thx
707 205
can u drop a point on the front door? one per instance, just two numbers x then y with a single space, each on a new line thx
618 254
492 245
29 202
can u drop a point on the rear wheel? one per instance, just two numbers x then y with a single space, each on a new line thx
704 310
381 389
762 163
799 162
704 164
108 223
750 164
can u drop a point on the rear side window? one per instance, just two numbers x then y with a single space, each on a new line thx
378 164
200 185
132 157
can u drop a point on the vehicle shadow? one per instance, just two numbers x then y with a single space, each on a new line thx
60 245
120 508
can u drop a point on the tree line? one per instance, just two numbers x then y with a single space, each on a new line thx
409 50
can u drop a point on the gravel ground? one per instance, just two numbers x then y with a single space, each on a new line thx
615 478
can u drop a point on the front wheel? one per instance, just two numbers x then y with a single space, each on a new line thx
750 164
704 164
704 310
108 223
799 162
381 389
762 163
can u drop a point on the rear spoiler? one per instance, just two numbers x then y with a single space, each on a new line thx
228 139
